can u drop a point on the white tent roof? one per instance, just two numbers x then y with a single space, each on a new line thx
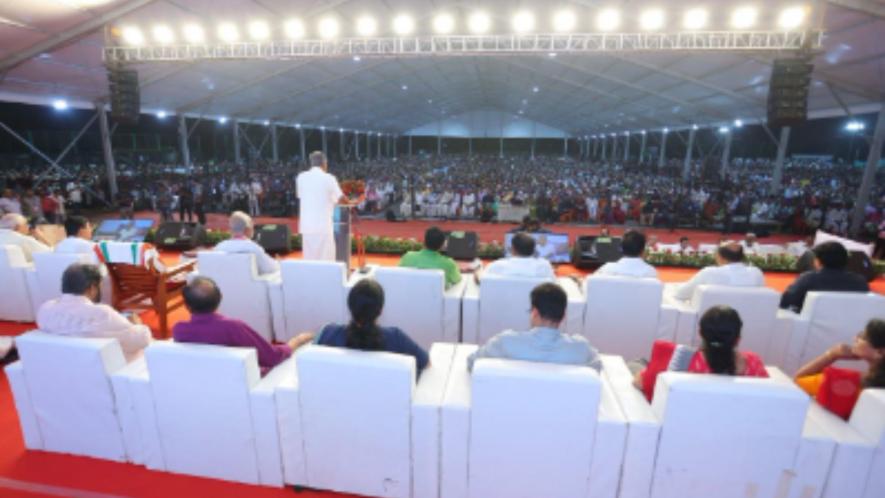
52 49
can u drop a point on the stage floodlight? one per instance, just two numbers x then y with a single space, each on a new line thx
228 32
298 125
695 19
266 122
132 35
738 123
642 132
792 17
163 34
744 17
161 114
443 23
723 130
294 29
222 120
60 104
328 28
523 21
535 89
608 20
403 24
666 130
479 23
694 127
405 87
564 21
854 126
259 30
652 19
366 26
193 33
357 58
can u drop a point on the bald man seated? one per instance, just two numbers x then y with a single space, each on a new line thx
242 230
14 231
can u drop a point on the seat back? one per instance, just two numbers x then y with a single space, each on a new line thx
132 281
532 429
621 316
314 294
835 317
413 301
729 437
68 380
48 268
356 417
867 419
757 307
505 303
202 404
245 294
15 298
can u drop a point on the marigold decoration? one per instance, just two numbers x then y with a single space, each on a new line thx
353 189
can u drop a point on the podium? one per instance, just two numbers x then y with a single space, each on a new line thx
341 222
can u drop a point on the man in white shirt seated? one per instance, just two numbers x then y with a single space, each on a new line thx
79 238
242 230
731 271
77 313
750 243
631 263
14 231
523 262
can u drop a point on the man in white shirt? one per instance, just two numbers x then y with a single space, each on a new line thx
318 193
77 313
523 262
79 238
9 203
631 263
14 231
731 271
242 230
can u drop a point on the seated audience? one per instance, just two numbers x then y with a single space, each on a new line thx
816 376
720 330
730 270
14 231
77 313
430 258
9 203
522 262
543 342
631 263
241 231
206 326
78 240
830 261
685 246
366 302
750 243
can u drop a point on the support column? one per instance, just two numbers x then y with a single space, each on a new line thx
302 143
236 131
565 147
778 176
642 147
182 142
626 146
368 145
663 155
604 141
110 166
533 148
438 145
395 141
726 154
686 166
379 145
340 145
595 148
869 174
501 147
356 144
274 143
410 145
323 135
614 147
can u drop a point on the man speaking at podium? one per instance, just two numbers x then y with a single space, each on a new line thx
318 192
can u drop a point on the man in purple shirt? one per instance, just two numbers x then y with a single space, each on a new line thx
202 297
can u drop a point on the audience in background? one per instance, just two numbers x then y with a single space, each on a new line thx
206 326
830 261
15 231
9 203
242 231
731 270
366 302
77 313
631 263
523 262
543 342
430 258
78 240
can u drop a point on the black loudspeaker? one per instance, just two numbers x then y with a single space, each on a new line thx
125 94
180 236
275 239
390 215
860 263
462 245
788 92
591 251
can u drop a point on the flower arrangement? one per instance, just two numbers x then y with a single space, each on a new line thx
353 189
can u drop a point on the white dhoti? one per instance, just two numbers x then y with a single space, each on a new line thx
318 246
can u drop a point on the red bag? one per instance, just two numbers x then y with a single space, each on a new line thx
839 390
661 353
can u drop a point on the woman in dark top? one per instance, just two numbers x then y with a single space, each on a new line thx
366 301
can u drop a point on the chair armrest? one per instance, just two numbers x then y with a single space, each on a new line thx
27 417
608 445
277 308
574 315
126 408
426 405
470 312
265 425
175 270
668 322
781 335
686 322
853 456
132 387
288 413
455 419
796 327
452 311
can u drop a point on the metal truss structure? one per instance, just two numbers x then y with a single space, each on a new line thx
455 45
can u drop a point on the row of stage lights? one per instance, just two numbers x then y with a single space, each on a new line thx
478 23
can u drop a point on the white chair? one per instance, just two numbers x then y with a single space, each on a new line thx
624 315
728 437
761 332
44 282
246 295
63 395
519 429
828 318
15 297
867 419
314 293
357 422
418 302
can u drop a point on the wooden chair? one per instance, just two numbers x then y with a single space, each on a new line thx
139 288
